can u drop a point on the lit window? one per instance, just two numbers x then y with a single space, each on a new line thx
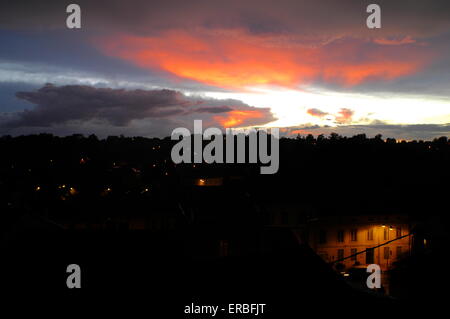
370 234
353 234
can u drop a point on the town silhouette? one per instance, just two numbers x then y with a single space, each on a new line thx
134 221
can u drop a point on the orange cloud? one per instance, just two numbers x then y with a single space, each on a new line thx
385 41
238 118
356 74
316 112
345 116
237 59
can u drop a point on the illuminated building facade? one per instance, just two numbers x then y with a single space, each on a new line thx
378 239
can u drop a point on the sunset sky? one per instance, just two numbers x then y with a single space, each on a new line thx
147 67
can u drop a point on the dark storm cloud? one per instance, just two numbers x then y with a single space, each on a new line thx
56 105
220 109
74 102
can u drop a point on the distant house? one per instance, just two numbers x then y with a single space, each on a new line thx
210 181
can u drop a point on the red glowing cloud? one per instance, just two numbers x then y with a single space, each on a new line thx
402 41
316 112
344 116
237 59
238 118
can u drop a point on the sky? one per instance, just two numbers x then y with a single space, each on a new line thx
148 67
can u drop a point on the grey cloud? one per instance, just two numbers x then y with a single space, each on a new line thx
408 132
69 104
79 102
220 109
326 17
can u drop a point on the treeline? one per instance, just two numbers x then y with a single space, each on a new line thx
332 174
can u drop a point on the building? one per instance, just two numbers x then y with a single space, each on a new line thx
360 240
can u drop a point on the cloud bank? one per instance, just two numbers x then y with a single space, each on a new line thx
60 105
406 132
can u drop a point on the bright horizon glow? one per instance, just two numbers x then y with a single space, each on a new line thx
290 106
